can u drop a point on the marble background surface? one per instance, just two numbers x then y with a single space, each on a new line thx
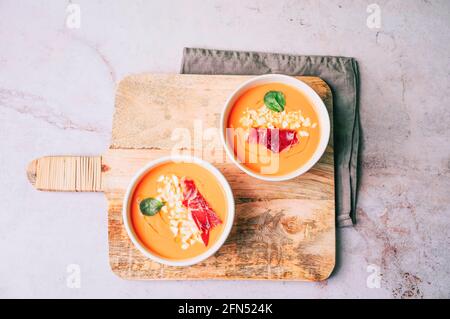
57 94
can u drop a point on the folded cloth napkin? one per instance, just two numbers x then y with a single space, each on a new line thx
340 73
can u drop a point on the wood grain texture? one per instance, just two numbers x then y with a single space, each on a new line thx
282 231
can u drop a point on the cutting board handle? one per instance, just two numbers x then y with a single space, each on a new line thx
66 173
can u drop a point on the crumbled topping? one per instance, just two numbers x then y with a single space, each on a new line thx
265 118
182 225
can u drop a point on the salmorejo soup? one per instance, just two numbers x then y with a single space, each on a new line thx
273 129
179 210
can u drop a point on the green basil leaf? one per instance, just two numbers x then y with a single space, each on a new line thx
150 206
275 101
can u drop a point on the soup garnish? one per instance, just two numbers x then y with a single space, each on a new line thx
272 126
275 101
150 206
205 218
273 139
190 217
273 129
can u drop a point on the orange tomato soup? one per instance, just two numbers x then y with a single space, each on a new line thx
259 159
154 231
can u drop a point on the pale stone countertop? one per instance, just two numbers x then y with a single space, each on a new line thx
57 94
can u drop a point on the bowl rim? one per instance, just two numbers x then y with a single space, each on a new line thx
135 181
316 101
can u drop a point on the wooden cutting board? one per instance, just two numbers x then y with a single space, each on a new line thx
282 230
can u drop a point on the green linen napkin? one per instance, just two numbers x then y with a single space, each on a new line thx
340 73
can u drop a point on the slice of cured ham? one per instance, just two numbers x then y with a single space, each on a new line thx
204 216
274 139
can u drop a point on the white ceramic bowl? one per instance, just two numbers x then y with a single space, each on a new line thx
319 107
129 195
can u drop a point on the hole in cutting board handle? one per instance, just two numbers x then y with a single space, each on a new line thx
66 173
